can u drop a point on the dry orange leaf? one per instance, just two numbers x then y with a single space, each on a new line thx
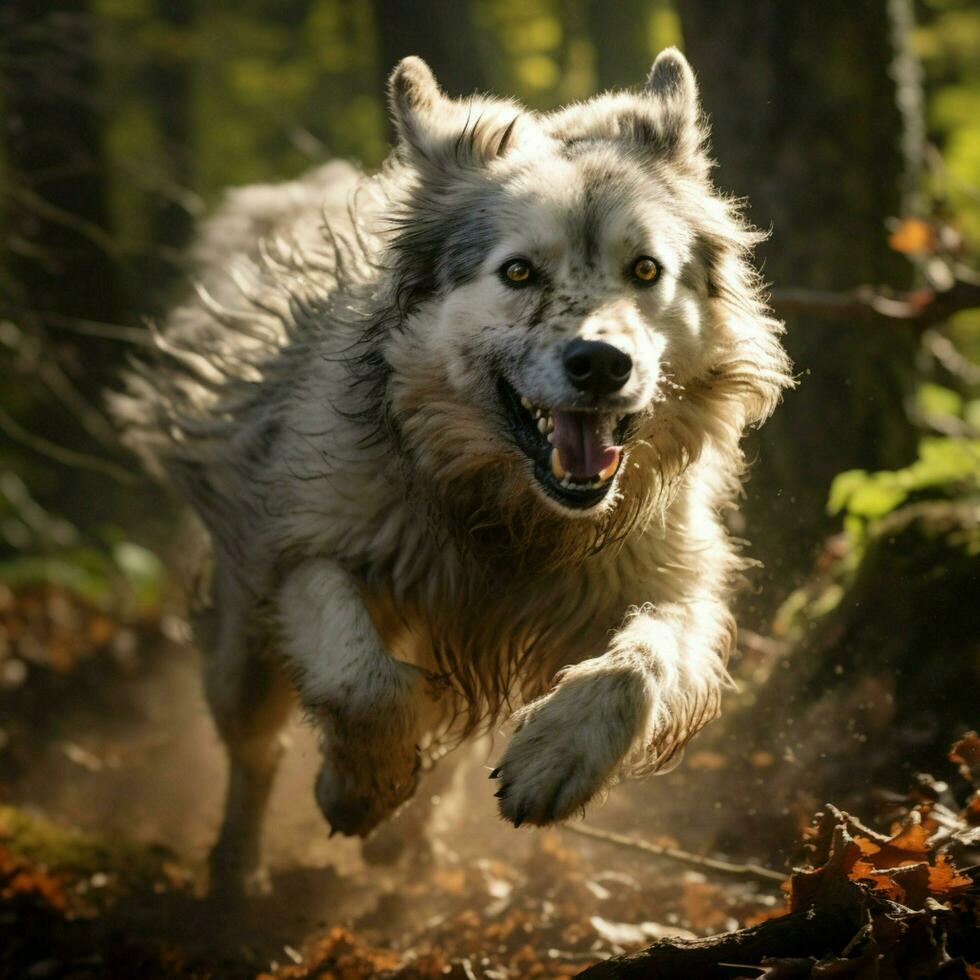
966 754
913 237
971 814
880 882
945 880
909 846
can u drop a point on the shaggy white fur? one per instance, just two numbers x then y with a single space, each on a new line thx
418 502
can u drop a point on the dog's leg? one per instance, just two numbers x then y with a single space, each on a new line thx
250 699
633 708
371 708
407 832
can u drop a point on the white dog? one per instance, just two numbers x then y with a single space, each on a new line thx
460 436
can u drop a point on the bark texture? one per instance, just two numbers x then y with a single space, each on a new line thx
806 124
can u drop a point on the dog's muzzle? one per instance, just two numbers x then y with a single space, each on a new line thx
576 452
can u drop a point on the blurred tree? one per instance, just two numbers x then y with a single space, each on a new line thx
61 302
622 52
806 123
171 92
60 251
627 35
439 31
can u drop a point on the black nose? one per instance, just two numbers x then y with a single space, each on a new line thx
595 367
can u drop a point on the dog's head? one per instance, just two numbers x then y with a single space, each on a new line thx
577 311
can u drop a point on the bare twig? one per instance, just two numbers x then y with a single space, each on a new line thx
84 327
766 646
59 216
675 854
944 351
67 457
91 419
921 308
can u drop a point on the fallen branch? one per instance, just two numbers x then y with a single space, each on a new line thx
829 927
921 308
675 854
865 904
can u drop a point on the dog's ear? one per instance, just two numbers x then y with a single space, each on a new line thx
674 125
415 100
671 82
436 130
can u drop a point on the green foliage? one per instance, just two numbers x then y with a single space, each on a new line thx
948 42
63 849
931 502
127 577
935 400
102 566
538 51
945 468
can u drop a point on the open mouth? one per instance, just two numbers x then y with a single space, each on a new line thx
576 453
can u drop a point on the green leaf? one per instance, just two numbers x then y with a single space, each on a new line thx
843 488
933 400
878 496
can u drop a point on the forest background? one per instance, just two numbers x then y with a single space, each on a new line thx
852 128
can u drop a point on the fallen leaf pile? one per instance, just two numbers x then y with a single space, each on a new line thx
51 628
866 905
548 916
900 905
21 881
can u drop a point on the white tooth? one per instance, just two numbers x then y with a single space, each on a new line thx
551 436
542 426
556 467
525 401
608 472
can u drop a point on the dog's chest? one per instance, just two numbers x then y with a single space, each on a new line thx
518 628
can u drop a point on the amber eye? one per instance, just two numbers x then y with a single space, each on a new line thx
517 271
646 269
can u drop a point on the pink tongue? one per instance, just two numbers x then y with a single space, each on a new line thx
582 449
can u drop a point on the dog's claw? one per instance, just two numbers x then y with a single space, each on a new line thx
495 774
501 793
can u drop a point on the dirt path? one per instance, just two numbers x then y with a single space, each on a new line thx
123 748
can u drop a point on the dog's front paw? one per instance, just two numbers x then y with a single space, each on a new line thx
356 795
371 757
570 746
547 774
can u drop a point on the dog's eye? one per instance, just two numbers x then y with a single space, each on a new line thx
645 269
518 272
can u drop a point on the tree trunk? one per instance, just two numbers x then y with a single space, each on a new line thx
60 261
881 676
439 31
806 124
618 32
169 79
59 284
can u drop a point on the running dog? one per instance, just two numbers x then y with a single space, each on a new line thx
458 439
